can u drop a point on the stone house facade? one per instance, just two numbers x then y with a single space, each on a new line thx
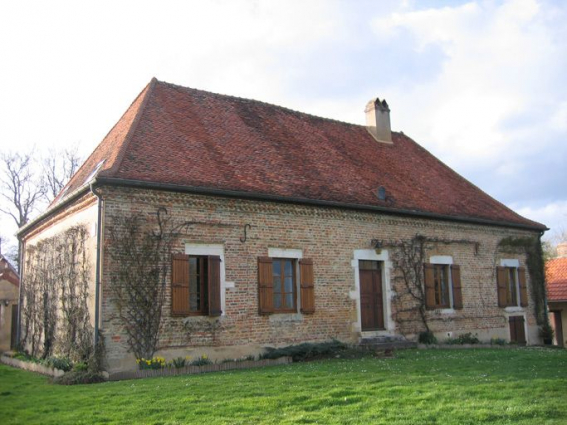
293 229
9 287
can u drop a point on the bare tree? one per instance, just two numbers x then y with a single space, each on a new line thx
58 168
21 186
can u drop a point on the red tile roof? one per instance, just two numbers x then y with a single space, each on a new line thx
556 278
192 138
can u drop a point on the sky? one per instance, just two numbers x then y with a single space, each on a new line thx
480 84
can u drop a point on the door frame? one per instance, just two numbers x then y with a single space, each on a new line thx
386 266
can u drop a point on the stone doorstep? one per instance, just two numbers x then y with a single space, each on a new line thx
190 370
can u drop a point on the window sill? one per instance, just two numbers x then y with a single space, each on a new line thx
281 317
446 311
513 309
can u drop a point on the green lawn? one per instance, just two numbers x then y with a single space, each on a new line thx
416 387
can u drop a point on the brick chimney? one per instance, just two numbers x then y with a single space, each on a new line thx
378 120
562 250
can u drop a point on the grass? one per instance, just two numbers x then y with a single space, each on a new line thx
516 386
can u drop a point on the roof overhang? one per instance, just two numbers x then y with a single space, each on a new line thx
109 181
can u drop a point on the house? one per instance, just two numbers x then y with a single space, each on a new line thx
211 224
9 283
556 279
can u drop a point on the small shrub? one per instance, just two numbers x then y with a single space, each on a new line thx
80 367
466 338
427 338
250 357
305 351
201 361
154 363
61 363
498 341
79 377
180 362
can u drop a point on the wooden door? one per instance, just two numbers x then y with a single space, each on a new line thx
517 330
371 299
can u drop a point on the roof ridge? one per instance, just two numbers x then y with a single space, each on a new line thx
58 198
260 102
128 138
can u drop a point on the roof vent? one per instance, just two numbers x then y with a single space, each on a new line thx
378 120
381 193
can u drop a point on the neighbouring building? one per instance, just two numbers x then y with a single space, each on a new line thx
272 227
556 279
9 287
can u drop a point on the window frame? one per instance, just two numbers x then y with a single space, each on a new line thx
446 276
294 266
512 266
447 262
204 285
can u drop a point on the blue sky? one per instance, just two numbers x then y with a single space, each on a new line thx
481 84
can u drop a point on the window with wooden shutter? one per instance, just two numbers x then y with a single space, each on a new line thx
457 291
523 287
502 283
429 278
265 286
180 284
214 286
307 286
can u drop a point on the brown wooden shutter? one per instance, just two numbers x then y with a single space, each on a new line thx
214 285
307 286
180 284
502 282
265 286
429 278
523 287
457 292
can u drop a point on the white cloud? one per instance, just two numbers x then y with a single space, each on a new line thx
501 62
553 215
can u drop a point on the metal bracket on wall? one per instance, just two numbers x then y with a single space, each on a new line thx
245 237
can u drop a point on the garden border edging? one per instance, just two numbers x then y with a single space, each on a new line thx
191 370
30 366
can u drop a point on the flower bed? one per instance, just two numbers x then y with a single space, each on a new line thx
187 370
31 366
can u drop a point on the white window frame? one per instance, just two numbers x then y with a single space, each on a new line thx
383 257
445 260
292 254
216 250
515 264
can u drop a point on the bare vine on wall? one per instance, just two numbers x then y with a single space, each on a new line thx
55 295
408 257
141 250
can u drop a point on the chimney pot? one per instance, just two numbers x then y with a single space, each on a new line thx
378 120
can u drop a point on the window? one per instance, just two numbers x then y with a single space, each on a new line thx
285 291
195 285
278 285
511 283
198 285
443 286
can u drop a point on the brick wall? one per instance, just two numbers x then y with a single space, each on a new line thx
329 237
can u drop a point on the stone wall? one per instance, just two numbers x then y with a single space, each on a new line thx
334 239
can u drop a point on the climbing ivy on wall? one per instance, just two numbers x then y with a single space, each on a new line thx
55 294
531 246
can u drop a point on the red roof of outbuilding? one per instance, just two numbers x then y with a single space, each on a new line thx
192 138
556 278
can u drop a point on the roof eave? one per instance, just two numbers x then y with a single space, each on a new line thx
52 210
112 181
